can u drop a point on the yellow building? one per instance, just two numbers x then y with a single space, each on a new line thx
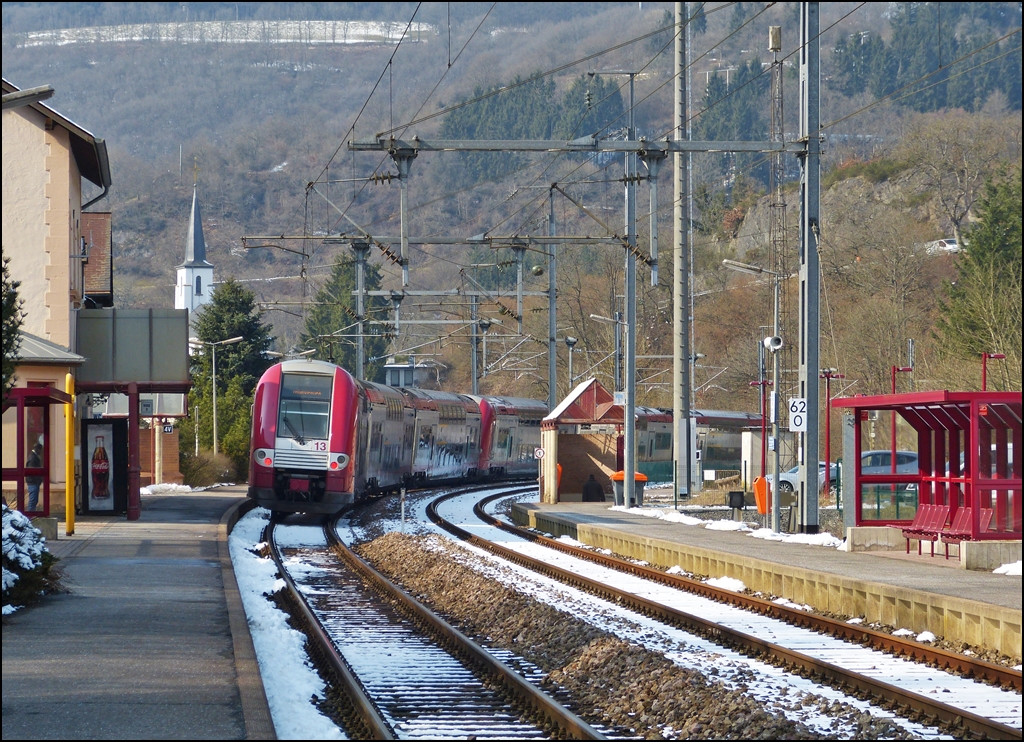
46 156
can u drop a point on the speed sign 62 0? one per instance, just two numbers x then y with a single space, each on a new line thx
797 415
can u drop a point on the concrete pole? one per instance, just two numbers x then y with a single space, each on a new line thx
213 349
404 162
519 287
474 345
653 167
361 248
628 412
552 295
134 465
810 194
681 273
158 449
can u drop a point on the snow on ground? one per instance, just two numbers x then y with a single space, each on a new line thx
728 583
165 489
23 545
1009 569
288 678
672 516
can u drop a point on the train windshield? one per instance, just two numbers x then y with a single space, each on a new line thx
305 407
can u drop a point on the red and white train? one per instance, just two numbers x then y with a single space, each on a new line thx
322 440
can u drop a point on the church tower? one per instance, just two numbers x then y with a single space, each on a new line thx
194 286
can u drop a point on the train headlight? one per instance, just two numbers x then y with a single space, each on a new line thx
338 461
264 457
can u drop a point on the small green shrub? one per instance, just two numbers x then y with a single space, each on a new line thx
874 171
206 469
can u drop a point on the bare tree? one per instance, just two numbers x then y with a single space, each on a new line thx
953 155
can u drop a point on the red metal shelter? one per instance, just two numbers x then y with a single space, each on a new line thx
22 397
969 456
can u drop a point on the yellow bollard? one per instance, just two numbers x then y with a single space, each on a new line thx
69 457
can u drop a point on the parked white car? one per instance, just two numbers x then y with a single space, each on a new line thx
790 480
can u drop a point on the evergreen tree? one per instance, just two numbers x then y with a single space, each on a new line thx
331 324
592 105
522 111
699 21
736 112
231 313
983 312
12 320
853 56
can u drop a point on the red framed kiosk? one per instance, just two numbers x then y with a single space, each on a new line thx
22 398
969 456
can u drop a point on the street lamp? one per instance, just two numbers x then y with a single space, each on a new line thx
828 374
484 325
213 350
570 341
772 344
984 367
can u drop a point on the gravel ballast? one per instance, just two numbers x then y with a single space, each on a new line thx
612 682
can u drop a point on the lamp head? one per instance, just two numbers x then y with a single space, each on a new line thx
571 341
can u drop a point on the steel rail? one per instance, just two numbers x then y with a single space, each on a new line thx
981 670
365 709
885 693
569 723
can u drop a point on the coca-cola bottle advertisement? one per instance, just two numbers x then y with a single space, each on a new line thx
98 471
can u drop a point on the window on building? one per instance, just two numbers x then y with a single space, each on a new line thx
199 285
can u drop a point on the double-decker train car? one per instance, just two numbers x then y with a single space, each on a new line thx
322 440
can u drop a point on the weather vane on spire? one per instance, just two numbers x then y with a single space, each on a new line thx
195 170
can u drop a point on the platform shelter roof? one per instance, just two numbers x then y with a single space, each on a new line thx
589 402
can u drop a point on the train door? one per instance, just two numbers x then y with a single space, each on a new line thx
424 443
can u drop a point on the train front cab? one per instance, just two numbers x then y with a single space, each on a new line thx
303 431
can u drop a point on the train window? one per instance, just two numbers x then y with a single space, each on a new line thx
305 406
662 441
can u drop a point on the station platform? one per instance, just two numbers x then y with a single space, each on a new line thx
150 641
917 593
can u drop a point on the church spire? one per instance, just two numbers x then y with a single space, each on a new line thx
195 245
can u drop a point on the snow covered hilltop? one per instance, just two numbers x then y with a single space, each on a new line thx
235 32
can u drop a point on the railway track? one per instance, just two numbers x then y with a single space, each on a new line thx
406 673
857 660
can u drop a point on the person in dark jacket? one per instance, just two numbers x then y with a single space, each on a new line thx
33 482
592 491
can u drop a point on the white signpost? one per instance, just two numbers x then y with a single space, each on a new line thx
797 415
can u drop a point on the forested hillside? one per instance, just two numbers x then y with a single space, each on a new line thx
908 88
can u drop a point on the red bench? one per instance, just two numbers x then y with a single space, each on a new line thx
961 528
928 523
